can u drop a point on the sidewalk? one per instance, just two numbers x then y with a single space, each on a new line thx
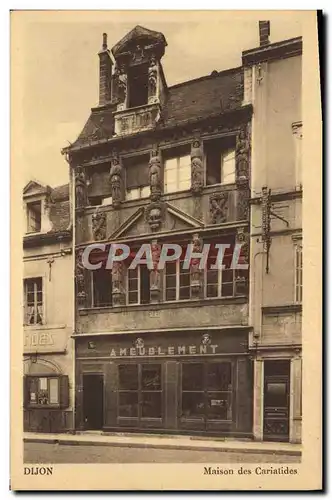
162 441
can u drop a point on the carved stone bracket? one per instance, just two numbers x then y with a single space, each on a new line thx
154 215
197 170
242 156
155 175
118 288
99 225
155 273
195 271
116 180
80 280
219 207
80 188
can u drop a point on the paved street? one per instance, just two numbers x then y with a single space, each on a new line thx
58 453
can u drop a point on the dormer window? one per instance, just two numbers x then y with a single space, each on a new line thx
34 217
138 86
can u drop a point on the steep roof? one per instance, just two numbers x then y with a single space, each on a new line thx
192 100
137 34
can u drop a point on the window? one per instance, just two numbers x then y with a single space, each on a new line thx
207 391
34 217
102 288
140 391
137 177
138 85
33 301
138 285
100 200
177 281
298 273
220 161
48 390
177 170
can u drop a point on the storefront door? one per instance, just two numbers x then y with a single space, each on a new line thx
140 389
276 400
206 398
93 401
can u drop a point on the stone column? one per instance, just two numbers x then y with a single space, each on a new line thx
155 175
153 80
195 271
295 413
242 170
80 188
258 400
116 180
197 176
155 286
80 282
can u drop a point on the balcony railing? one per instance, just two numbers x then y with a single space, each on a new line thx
134 120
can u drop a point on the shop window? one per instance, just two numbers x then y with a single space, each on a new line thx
46 391
140 391
34 217
207 391
102 288
33 301
298 273
138 85
177 170
220 161
137 177
177 281
138 285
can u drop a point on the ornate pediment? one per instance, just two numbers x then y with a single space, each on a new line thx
138 37
158 217
35 188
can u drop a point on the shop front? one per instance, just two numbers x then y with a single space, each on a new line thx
185 381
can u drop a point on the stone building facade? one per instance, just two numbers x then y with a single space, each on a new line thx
273 83
48 314
167 350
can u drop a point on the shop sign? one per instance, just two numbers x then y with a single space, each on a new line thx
39 341
171 350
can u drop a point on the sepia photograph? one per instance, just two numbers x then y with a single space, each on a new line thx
161 182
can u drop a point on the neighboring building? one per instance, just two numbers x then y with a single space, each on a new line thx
48 309
273 83
162 350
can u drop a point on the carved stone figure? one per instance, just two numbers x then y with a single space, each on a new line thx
116 181
219 207
242 157
155 174
80 279
119 86
117 283
242 238
80 188
195 271
197 173
155 273
154 215
153 77
99 225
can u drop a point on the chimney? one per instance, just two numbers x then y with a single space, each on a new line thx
105 73
264 33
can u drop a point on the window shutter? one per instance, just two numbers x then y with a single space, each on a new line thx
64 391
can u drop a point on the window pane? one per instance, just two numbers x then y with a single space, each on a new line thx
43 384
151 404
171 281
171 164
128 377
184 293
219 376
219 406
128 404
133 194
193 405
185 163
170 188
184 184
192 376
145 191
133 297
170 294
54 390
151 377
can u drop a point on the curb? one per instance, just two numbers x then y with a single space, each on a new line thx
69 442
